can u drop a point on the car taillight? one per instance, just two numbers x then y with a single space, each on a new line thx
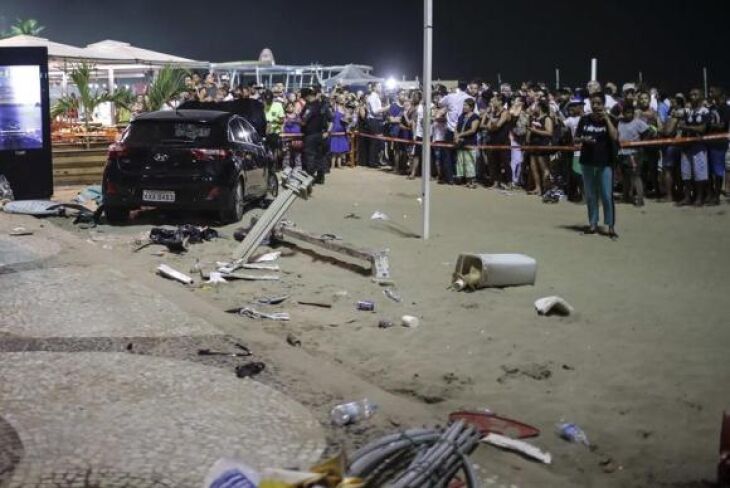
116 151
210 154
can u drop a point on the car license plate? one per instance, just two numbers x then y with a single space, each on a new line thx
158 196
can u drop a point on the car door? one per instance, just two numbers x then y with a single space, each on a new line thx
248 156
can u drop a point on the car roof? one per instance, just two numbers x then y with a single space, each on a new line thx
185 115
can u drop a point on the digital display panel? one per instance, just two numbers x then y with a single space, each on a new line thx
21 114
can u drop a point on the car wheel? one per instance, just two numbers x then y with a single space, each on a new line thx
272 185
236 204
116 215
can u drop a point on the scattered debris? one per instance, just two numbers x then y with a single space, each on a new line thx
178 240
315 304
330 237
609 465
91 193
39 208
352 412
392 294
535 371
20 231
517 445
250 369
378 215
568 367
553 305
255 314
366 305
270 300
352 216
723 467
207 352
269 257
293 341
6 191
475 271
168 272
215 278
410 321
486 421
249 277
572 433
385 324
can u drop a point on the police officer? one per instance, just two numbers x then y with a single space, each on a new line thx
314 127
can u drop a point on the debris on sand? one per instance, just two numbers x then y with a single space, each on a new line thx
519 446
535 371
553 305
168 272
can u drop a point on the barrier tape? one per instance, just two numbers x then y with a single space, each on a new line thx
666 141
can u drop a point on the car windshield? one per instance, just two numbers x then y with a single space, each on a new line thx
154 132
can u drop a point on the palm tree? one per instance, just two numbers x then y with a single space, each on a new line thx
88 99
28 27
166 87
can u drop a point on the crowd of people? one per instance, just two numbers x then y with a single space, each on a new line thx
554 143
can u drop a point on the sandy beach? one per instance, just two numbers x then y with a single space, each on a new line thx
641 365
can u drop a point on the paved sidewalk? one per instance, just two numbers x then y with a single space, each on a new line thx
95 388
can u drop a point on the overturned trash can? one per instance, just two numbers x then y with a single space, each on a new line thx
475 271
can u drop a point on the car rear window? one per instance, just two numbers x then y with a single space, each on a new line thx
156 132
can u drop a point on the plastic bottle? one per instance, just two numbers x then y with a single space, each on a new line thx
352 412
572 433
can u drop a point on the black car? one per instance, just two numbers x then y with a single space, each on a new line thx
187 159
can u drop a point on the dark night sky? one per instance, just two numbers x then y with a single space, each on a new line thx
668 41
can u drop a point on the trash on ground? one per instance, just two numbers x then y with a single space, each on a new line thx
572 433
517 445
272 300
553 305
392 294
250 369
293 341
6 191
269 257
366 305
410 321
385 324
723 467
232 474
554 195
89 194
168 272
245 353
609 465
216 278
38 208
486 422
250 277
255 314
353 412
330 237
435 457
20 231
315 304
229 268
352 216
378 215
475 271
177 240
340 294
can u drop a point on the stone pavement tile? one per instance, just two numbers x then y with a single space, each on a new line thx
89 302
119 419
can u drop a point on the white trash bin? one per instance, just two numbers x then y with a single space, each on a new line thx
487 270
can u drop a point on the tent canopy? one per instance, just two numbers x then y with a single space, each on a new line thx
55 49
127 51
351 75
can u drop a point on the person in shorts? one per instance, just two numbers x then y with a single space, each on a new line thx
717 149
694 155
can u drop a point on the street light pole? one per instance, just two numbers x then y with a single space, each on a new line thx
426 155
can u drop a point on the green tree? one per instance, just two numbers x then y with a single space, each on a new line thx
88 99
28 27
168 85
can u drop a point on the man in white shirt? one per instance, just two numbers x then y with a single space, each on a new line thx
376 112
453 104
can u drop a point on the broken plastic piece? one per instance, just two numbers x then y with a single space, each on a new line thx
520 446
168 272
553 305
392 294
486 422
272 300
255 314
378 215
269 257
410 321
216 278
